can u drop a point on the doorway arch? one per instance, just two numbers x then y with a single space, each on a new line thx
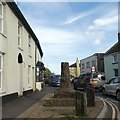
20 58
20 74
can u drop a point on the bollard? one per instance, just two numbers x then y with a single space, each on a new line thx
90 96
81 103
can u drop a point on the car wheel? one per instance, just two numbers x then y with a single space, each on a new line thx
118 95
100 88
103 91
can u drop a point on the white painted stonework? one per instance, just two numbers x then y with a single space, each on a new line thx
14 75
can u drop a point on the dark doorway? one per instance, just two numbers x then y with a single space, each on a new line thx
20 59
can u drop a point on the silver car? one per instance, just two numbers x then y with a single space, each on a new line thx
112 87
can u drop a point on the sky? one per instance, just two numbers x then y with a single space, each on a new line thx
71 30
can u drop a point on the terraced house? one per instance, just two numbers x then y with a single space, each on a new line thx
111 59
20 50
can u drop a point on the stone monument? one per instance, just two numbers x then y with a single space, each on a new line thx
65 90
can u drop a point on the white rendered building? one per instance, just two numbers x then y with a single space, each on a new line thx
19 52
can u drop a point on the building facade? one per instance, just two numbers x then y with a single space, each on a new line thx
111 62
19 52
75 69
96 61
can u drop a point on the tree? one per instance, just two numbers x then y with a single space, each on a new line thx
47 73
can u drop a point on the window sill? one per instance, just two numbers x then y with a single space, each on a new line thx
30 56
20 48
115 63
3 35
2 92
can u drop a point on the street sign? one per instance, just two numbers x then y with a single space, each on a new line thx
93 69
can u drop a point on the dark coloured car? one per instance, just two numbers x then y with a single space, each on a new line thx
82 82
55 81
46 80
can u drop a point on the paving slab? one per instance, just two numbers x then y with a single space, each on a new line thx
40 111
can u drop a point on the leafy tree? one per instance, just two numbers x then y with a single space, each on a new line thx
47 73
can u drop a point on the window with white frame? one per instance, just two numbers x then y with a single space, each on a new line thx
29 44
1 69
19 35
1 17
115 58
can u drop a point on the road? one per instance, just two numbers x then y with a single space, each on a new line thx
113 105
14 108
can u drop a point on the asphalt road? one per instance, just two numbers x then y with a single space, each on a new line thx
14 108
113 105
109 97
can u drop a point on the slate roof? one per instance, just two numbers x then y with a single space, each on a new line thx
22 19
113 49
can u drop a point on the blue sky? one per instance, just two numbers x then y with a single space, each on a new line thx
71 30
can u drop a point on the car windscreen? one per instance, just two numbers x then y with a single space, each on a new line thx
56 78
95 75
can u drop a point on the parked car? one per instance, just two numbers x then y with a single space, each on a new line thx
94 79
80 83
100 83
55 81
46 80
74 81
98 80
112 87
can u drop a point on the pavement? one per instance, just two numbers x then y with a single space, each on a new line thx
30 106
39 111
16 107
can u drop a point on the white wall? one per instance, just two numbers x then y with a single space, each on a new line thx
9 46
88 59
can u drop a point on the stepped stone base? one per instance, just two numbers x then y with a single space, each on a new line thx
67 93
57 102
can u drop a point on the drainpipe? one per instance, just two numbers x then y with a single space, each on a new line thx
35 68
118 38
119 53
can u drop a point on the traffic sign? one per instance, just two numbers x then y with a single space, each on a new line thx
93 68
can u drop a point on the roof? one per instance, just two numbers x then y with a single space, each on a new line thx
95 54
73 65
113 49
22 19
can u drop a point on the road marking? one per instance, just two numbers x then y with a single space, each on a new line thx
112 100
118 115
113 109
103 112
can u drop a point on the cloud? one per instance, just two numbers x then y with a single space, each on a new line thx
55 35
106 22
77 17
102 9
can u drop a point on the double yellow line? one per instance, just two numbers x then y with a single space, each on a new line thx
113 106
